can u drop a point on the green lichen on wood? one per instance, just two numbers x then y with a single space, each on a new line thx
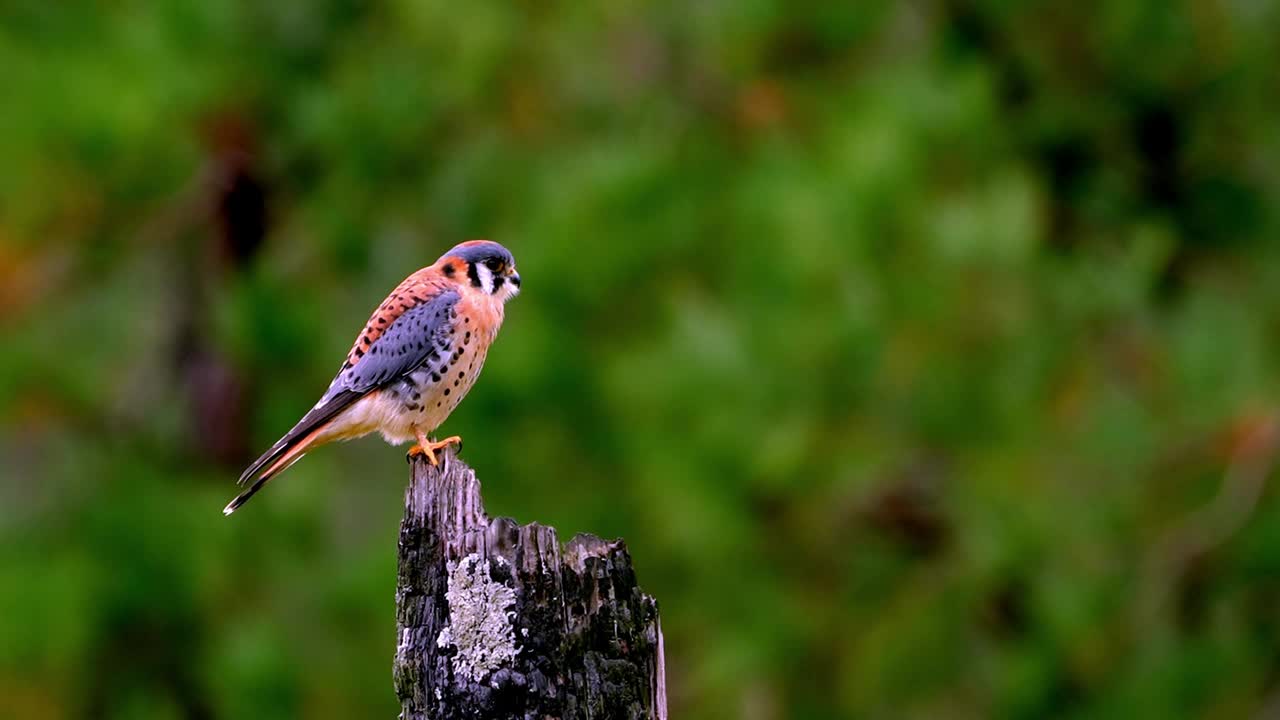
499 620
479 619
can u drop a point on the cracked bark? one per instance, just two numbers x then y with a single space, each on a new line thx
497 620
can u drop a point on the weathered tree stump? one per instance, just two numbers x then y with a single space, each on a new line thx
495 620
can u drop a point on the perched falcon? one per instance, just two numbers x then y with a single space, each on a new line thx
411 365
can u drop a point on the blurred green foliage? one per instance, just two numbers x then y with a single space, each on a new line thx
924 353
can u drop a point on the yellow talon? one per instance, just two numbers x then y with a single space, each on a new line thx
429 447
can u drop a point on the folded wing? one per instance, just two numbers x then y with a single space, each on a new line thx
411 331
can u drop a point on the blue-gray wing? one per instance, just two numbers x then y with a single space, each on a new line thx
421 337
417 336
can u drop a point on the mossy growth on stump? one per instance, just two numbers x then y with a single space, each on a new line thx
497 620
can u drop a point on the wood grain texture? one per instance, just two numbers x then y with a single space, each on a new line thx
497 620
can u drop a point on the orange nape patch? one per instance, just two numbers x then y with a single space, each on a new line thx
452 268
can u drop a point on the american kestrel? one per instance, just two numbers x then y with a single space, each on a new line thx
412 364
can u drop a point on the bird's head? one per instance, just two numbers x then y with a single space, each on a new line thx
485 265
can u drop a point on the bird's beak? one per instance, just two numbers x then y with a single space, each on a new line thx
514 278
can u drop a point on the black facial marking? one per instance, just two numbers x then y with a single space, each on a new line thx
473 274
449 270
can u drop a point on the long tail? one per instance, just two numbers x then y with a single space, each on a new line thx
290 448
276 460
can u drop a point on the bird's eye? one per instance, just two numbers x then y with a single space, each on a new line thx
494 265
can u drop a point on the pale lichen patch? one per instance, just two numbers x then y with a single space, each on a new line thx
479 619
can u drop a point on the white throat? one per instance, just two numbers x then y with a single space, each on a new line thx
508 290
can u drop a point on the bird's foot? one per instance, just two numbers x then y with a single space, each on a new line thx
429 447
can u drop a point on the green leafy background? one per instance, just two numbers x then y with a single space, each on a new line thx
924 353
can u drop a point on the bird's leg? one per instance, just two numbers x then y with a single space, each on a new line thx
427 446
